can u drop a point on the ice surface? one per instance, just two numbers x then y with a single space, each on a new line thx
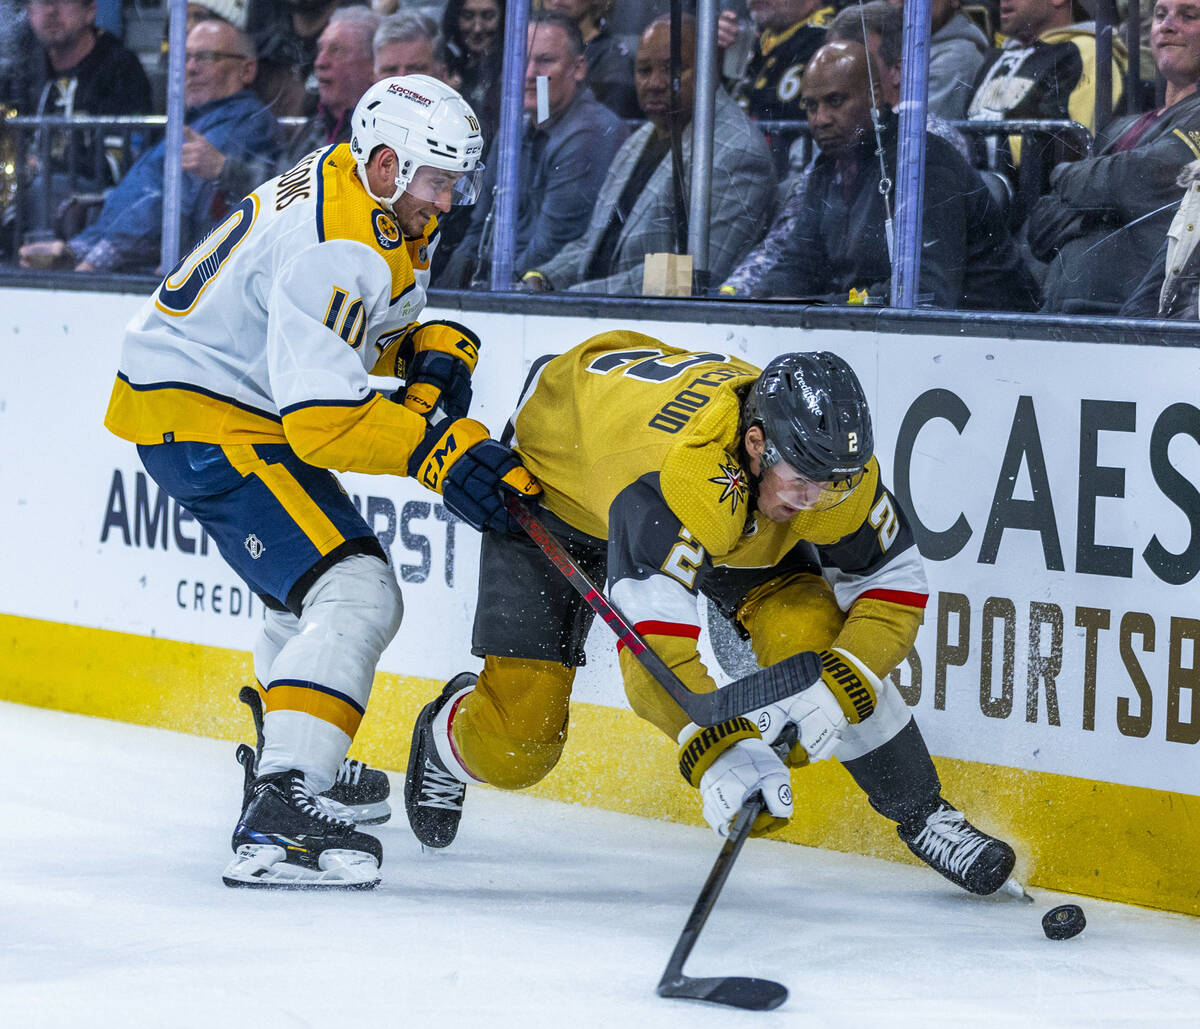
112 913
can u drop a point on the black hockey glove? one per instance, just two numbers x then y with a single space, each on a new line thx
438 386
474 474
438 359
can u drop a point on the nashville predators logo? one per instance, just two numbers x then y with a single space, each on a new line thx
387 234
732 481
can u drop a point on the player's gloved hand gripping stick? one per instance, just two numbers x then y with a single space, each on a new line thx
758 689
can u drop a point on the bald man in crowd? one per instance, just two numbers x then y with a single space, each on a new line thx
838 251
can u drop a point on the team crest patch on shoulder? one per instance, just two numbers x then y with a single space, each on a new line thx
732 481
387 232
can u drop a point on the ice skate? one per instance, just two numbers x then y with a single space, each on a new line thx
359 793
288 839
433 797
969 858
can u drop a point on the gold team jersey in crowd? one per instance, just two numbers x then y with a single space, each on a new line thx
266 331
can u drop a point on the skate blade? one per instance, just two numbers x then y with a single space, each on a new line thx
369 814
1013 888
263 866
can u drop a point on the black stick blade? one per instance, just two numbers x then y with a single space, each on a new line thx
734 991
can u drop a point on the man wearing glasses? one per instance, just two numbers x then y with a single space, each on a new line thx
221 108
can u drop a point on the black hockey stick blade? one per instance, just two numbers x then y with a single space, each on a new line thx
734 991
756 690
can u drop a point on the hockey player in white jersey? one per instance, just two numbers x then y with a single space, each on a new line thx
243 380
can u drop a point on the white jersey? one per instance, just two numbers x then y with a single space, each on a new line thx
267 330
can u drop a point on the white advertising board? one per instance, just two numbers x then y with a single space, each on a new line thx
1054 488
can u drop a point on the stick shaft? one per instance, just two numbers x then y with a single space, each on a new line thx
713 885
756 690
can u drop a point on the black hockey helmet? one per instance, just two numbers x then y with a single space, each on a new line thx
815 418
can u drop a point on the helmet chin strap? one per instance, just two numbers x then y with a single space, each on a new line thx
387 203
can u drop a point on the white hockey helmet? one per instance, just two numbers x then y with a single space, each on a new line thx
428 125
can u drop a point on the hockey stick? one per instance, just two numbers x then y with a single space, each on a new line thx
736 991
758 689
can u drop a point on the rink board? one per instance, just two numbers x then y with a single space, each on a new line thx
1055 676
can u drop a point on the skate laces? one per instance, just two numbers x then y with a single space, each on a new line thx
950 840
441 789
350 771
304 800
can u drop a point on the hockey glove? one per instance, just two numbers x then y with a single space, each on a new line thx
729 762
845 694
473 473
437 360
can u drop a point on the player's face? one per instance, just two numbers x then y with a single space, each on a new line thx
410 57
60 23
1175 40
428 194
784 492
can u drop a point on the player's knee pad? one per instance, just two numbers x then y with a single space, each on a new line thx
277 628
511 729
347 618
791 614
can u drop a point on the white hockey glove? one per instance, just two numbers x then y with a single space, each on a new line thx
845 694
729 762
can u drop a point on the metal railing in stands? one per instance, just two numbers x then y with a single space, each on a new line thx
102 149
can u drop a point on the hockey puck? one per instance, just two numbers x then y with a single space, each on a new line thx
1063 922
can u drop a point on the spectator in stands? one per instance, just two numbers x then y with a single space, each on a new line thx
956 49
233 11
287 37
564 158
220 68
473 32
885 33
1105 217
407 43
789 33
634 214
80 69
609 62
1046 69
77 69
1171 288
345 68
839 251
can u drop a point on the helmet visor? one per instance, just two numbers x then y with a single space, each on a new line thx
804 493
445 188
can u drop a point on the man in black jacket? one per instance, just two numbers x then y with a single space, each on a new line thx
839 249
77 69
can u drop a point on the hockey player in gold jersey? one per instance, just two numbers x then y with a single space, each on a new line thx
243 380
675 473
